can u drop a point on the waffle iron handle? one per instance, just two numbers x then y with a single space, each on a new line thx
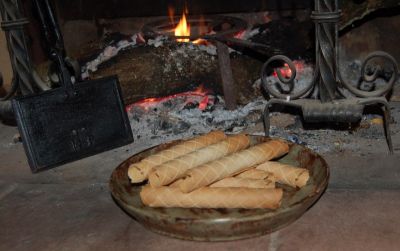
49 26
63 74
54 43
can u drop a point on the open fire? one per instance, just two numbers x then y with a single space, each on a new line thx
200 104
202 97
182 29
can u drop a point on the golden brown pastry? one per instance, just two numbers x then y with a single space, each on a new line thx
174 169
211 197
230 165
139 171
286 174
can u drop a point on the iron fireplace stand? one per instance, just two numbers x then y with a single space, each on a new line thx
335 99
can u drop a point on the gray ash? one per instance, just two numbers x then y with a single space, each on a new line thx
180 118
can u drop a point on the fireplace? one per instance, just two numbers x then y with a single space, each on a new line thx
280 57
188 67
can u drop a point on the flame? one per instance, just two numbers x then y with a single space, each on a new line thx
182 29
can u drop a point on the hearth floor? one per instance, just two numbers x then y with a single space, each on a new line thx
70 207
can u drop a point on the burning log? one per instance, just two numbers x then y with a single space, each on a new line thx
149 71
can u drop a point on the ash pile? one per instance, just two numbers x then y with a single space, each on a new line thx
190 113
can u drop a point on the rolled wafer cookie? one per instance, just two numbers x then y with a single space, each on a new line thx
139 171
212 197
174 169
213 171
266 182
245 183
286 174
255 174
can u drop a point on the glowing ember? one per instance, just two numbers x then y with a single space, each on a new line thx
240 34
200 41
182 29
285 70
203 103
200 95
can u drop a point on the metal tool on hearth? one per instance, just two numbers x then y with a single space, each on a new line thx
329 97
75 120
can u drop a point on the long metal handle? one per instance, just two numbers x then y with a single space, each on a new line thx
50 27
54 42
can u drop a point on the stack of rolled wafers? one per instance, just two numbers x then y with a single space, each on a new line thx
217 171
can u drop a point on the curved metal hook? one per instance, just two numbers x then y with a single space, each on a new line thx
371 77
281 93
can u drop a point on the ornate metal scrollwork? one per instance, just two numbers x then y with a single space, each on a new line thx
334 102
278 89
325 16
327 77
370 73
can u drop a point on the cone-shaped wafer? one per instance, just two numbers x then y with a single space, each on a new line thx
139 171
225 167
212 197
256 174
245 183
169 171
286 174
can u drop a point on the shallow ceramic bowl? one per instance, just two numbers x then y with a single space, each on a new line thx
222 224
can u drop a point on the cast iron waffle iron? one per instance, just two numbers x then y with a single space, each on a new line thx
75 120
70 123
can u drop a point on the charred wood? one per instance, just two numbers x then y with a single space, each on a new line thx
149 71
